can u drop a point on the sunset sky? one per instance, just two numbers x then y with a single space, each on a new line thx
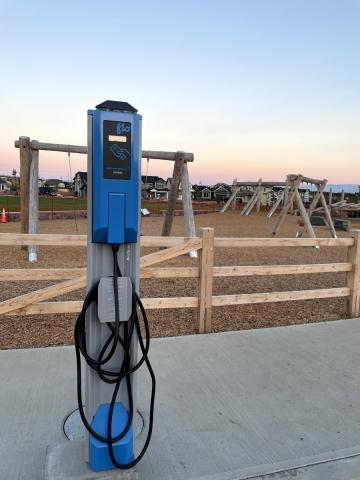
254 88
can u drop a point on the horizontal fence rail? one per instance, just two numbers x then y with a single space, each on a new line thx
54 239
72 279
193 302
17 274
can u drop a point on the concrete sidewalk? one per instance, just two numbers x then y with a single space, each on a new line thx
229 406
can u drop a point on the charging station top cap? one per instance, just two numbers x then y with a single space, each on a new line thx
116 106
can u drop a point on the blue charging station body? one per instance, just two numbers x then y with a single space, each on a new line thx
123 449
114 146
116 181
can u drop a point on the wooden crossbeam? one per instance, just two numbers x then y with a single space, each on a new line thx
314 181
172 252
43 294
58 147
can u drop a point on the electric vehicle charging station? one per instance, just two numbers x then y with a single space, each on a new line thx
107 332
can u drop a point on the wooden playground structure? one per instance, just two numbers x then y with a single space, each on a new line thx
29 196
291 194
289 198
255 199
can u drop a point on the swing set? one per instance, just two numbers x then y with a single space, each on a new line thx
29 195
289 196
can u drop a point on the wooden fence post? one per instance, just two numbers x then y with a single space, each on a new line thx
353 277
25 163
34 199
206 263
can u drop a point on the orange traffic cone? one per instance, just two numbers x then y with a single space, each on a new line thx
3 216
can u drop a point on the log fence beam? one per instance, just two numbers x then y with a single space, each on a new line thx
193 302
69 240
22 274
44 294
169 253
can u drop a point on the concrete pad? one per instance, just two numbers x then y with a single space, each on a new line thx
228 405
64 461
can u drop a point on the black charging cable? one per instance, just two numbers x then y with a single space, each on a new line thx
113 342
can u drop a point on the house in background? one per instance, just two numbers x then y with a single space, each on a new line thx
179 197
80 184
244 194
306 195
274 193
154 187
9 182
5 185
221 192
202 192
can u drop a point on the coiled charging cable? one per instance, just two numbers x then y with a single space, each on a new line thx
114 342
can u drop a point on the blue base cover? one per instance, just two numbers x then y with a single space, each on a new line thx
123 449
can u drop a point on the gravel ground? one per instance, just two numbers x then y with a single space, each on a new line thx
31 331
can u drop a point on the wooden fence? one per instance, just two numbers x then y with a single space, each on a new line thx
72 279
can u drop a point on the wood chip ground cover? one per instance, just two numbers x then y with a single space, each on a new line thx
38 331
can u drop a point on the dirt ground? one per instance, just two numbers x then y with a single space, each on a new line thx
31 331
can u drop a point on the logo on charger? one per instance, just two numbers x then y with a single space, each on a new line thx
122 127
120 153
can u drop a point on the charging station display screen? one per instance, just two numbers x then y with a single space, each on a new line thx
117 150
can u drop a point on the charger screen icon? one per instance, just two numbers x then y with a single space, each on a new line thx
120 153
